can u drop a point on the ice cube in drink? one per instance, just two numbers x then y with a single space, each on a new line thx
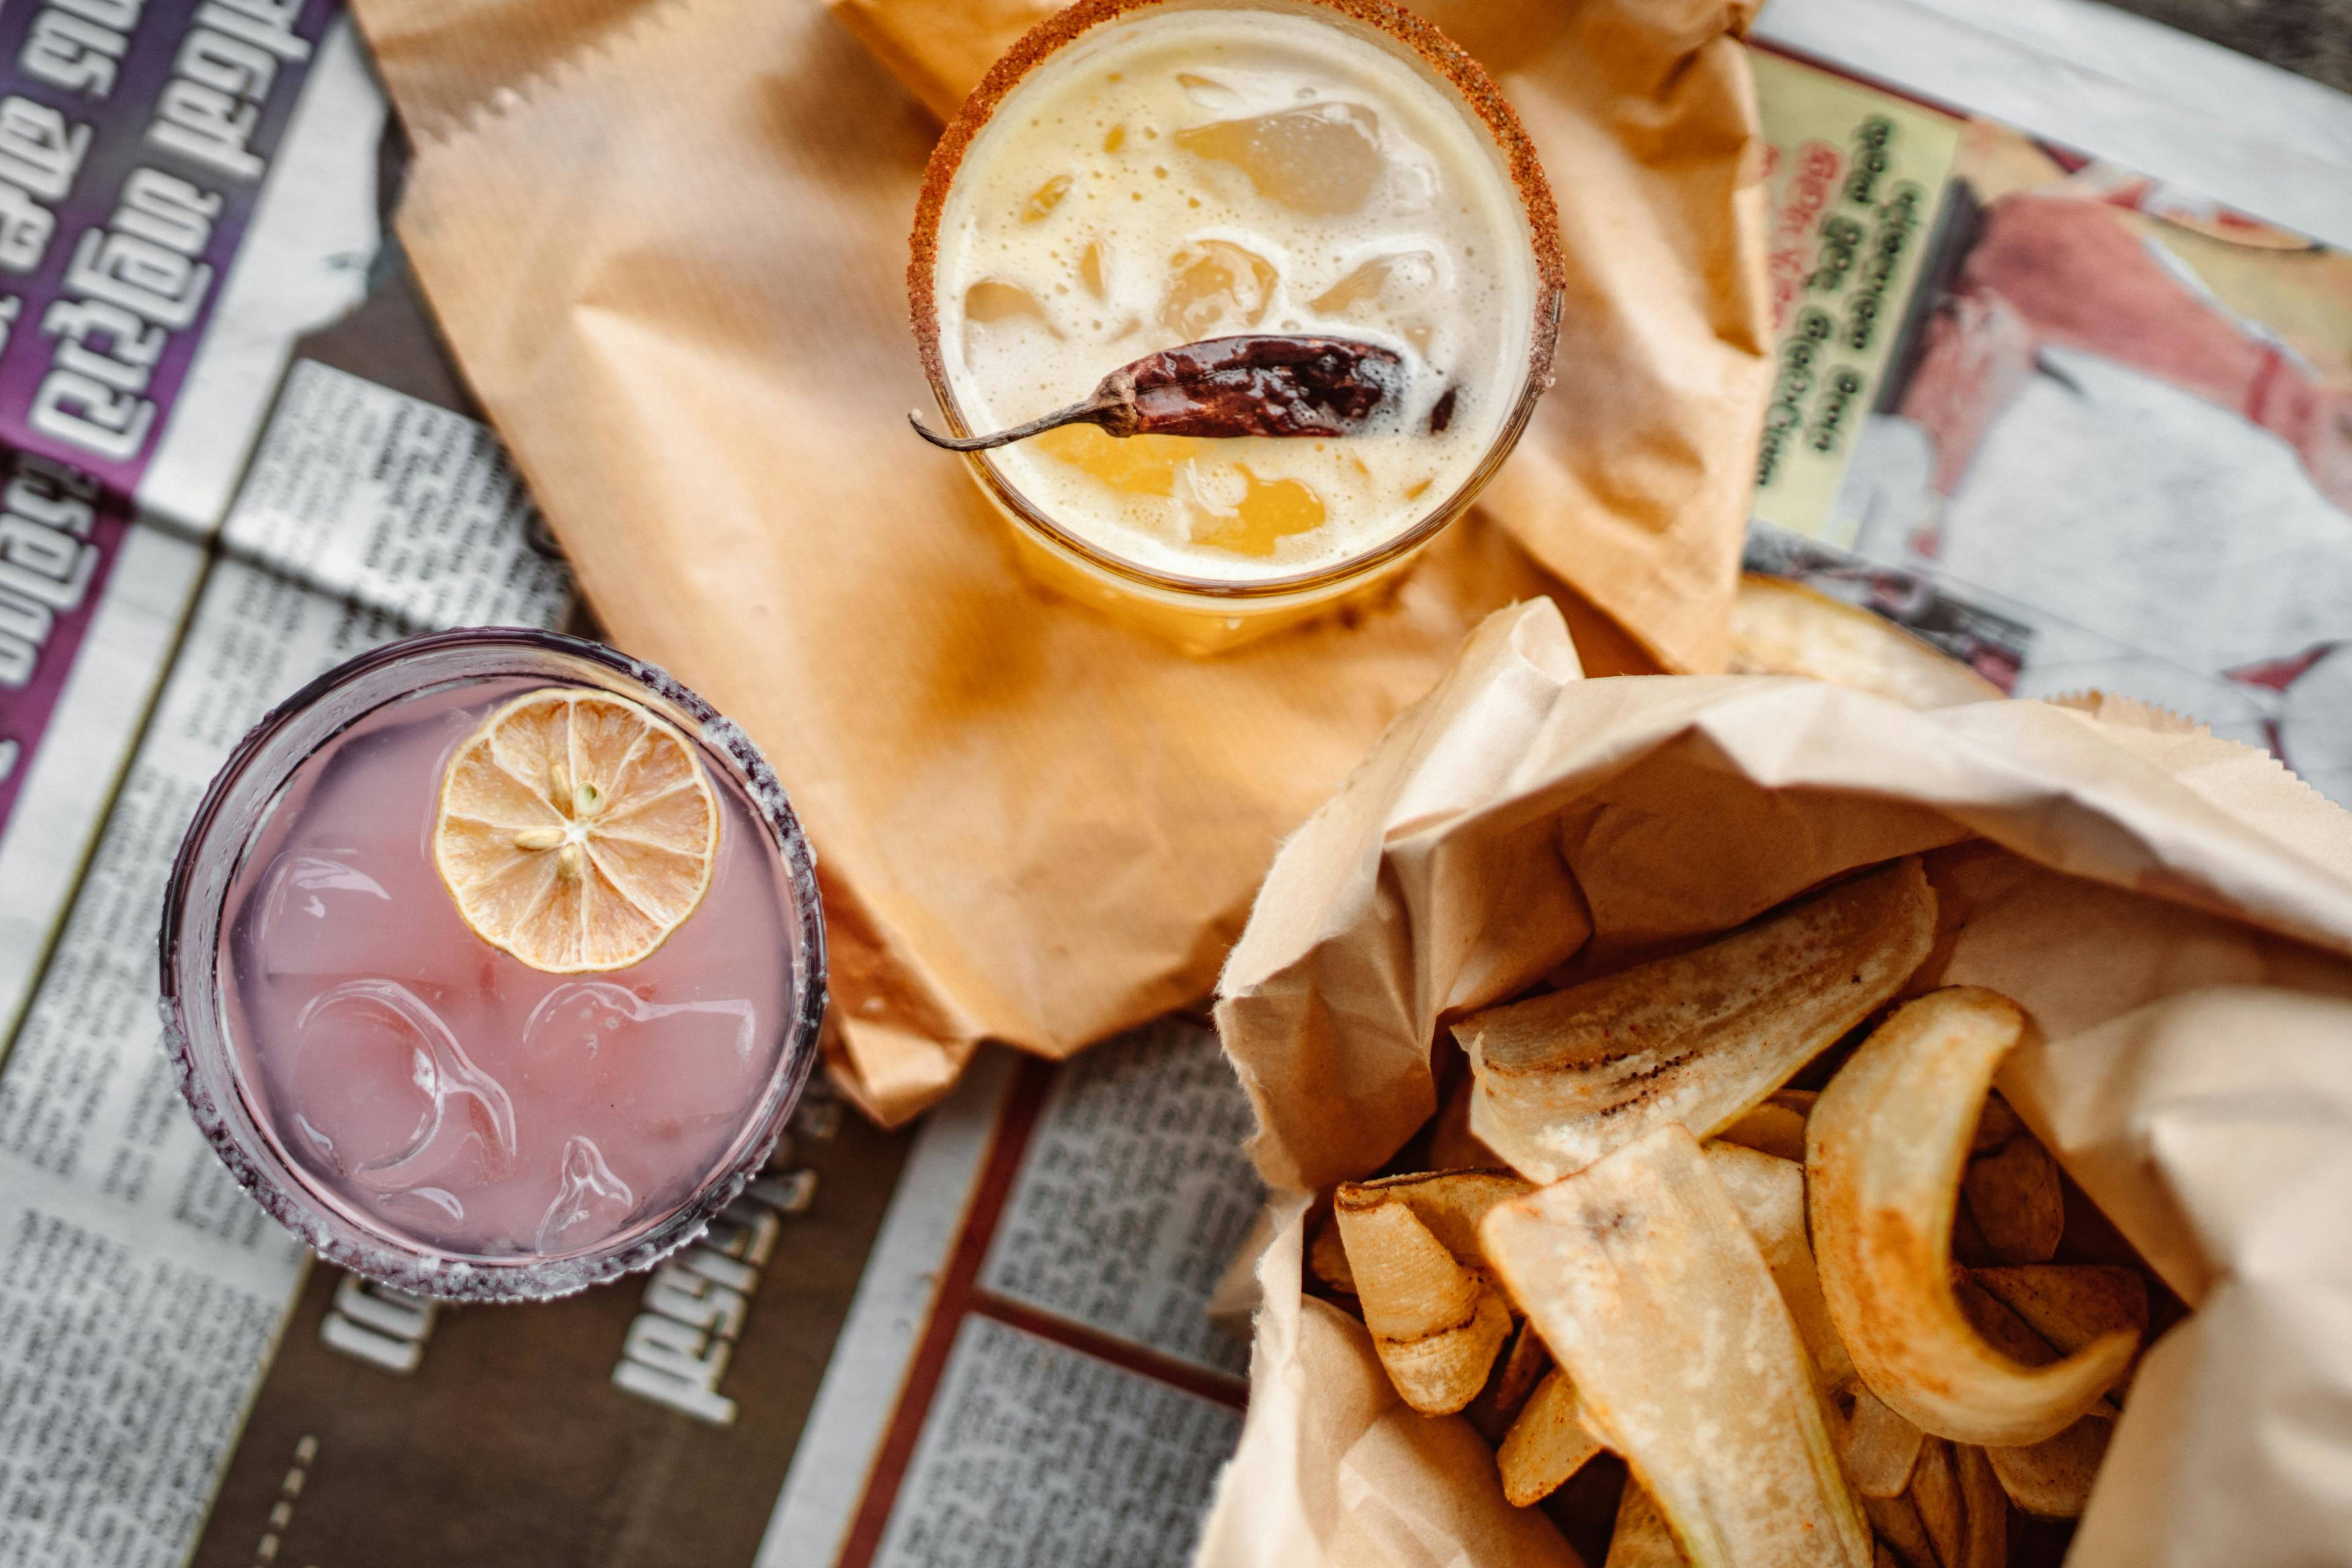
1182 170
440 1090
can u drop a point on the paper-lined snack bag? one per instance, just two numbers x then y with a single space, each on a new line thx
2170 918
668 245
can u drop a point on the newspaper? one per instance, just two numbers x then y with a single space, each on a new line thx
185 189
2082 425
988 1341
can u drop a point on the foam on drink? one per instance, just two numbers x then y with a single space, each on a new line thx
1180 174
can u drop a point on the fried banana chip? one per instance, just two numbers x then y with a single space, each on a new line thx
1641 1539
1641 1275
1877 1446
1435 1322
1549 1443
1524 1366
1984 1539
1960 1503
1327 1256
1698 1038
1885 1149
1770 1194
2070 1304
1450 1202
1935 1493
1896 1520
1782 627
2015 1198
1775 1127
2053 1478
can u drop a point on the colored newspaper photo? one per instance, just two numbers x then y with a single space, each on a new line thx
2080 427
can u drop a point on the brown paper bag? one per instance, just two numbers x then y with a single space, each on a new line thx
667 243
2174 914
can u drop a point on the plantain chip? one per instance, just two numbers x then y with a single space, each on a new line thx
2015 1198
1877 1446
1641 1539
1984 1538
1935 1494
1885 1148
1897 1523
1782 628
1775 1127
1450 1202
2053 1478
1436 1322
1522 1366
1327 1256
1698 1038
1653 1296
1549 1443
2070 1304
2001 1329
1961 1506
1770 1194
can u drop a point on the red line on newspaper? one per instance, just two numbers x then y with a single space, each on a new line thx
1138 1359
1023 1102
960 1296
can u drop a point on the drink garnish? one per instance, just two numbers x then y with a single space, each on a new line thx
576 830
1254 384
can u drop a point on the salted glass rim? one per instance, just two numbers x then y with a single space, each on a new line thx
199 1043
1389 23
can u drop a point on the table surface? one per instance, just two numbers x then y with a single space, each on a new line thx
2313 38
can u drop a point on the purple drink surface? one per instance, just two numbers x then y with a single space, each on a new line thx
440 1089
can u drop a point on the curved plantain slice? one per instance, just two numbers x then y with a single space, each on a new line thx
1549 1443
1960 1503
1783 628
1328 1257
2052 1479
1984 1543
1524 1366
1435 1323
1698 1038
1653 1296
1641 1539
2014 1197
1775 1127
1770 1194
1885 1149
1877 1446
1896 1520
1450 1202
2070 1304
1934 1492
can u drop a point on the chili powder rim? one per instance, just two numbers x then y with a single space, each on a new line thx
1435 51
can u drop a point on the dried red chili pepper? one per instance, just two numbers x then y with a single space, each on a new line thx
1252 385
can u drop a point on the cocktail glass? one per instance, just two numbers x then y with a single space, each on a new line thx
418 1105
1201 605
